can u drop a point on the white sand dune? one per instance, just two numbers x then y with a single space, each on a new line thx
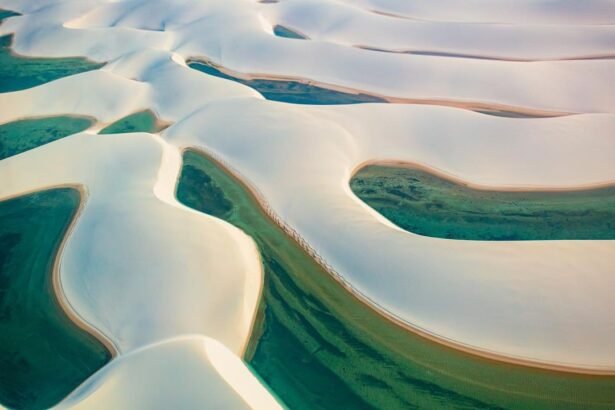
545 12
139 266
196 370
142 268
547 301
235 34
330 21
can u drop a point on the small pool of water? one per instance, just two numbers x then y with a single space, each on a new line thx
429 205
19 73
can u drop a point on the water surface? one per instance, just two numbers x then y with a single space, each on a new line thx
317 347
288 91
429 205
282 31
19 73
142 121
43 354
23 135
4 14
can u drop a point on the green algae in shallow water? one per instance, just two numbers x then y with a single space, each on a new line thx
20 136
19 73
43 354
426 204
294 92
142 121
318 347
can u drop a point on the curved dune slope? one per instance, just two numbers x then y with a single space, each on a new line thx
134 280
196 369
547 12
142 268
327 20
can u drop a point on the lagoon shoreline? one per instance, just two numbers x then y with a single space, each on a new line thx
386 314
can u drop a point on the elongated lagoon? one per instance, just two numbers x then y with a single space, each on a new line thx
427 204
317 346
23 135
43 354
294 92
19 73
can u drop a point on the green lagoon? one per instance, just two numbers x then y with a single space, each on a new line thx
293 92
429 205
20 73
318 347
43 354
142 121
23 135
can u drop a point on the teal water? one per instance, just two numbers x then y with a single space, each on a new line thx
4 14
318 347
429 205
142 121
43 354
19 73
282 31
512 114
23 135
293 92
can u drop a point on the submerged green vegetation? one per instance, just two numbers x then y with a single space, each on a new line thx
142 121
293 92
318 347
23 135
429 205
19 73
43 354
